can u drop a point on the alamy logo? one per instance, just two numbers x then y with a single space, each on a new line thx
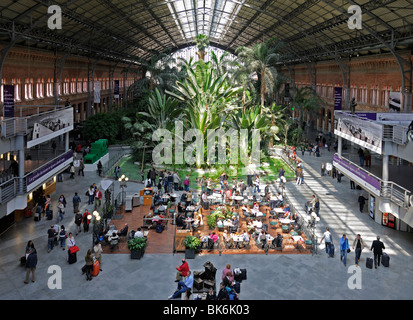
55 281
237 147
354 282
55 20
354 22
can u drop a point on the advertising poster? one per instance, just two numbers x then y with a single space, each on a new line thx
372 206
389 220
116 89
96 92
360 176
48 125
338 98
367 134
48 170
8 105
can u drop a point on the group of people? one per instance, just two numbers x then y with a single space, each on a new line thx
185 281
377 247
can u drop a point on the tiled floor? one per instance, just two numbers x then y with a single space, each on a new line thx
270 277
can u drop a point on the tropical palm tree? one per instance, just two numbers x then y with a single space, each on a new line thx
262 59
202 42
306 99
157 72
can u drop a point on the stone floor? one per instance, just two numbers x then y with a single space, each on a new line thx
270 277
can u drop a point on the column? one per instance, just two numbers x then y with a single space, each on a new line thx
20 148
385 169
339 146
66 141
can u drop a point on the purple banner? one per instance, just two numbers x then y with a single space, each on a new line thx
338 97
8 96
357 174
41 172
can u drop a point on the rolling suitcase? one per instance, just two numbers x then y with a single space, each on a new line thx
243 274
49 215
385 260
37 216
96 268
369 262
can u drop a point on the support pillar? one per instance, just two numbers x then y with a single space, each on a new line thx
20 148
340 146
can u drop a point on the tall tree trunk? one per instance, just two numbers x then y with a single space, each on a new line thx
143 158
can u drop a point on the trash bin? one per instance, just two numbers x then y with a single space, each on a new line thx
136 200
128 203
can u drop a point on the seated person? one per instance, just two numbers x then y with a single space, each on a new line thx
278 240
180 221
181 207
113 239
245 236
296 218
256 206
235 224
267 197
262 238
228 279
214 237
124 230
184 197
138 233
157 199
287 211
220 223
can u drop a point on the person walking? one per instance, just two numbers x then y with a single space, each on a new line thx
78 222
91 194
62 237
377 246
89 265
328 239
60 212
117 171
70 242
86 221
76 201
31 263
98 198
362 200
97 251
100 167
72 171
81 168
257 184
323 169
344 247
358 246
51 234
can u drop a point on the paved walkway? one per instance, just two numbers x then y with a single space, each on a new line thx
270 277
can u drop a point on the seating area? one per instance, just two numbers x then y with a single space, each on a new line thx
224 225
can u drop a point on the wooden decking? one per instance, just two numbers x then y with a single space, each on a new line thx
163 243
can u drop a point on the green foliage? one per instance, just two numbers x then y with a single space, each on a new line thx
137 244
107 125
191 242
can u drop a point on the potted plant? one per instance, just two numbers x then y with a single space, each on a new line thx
211 221
191 244
137 247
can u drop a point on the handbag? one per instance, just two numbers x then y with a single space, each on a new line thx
73 249
348 250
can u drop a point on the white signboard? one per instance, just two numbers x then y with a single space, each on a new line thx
48 126
365 133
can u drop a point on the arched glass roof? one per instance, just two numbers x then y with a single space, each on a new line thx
132 31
